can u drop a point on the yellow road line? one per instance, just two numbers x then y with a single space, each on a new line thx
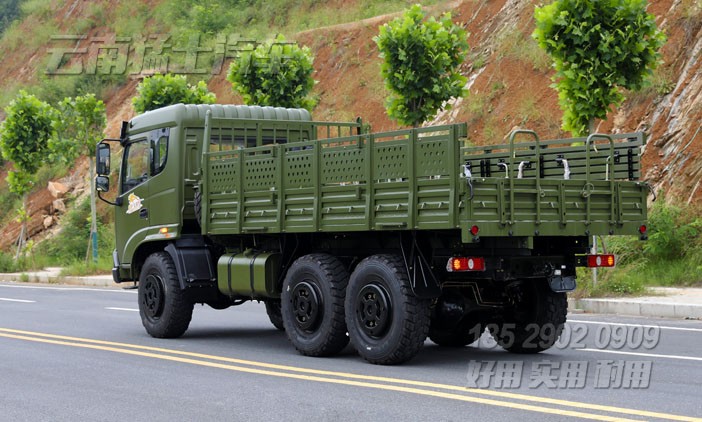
397 388
500 394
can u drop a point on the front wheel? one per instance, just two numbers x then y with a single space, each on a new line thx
165 310
387 323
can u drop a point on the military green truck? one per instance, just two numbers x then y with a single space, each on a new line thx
380 239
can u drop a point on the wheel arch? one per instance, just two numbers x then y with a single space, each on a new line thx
141 253
193 258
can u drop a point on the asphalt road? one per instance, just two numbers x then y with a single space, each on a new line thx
69 354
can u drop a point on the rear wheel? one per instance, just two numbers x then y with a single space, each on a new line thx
387 323
165 310
275 315
534 321
313 305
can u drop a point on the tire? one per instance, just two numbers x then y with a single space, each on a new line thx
165 310
535 321
387 323
275 314
312 305
460 336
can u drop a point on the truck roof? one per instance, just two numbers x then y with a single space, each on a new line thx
194 114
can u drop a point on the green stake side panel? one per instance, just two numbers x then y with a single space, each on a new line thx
415 179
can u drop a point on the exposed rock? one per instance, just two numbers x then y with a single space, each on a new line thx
48 221
57 189
59 206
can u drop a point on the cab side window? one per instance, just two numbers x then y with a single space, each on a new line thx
137 166
160 154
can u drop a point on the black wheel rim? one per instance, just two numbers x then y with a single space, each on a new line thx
374 310
153 296
306 306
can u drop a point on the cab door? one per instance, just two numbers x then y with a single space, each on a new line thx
132 216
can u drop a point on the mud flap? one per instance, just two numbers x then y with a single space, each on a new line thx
193 264
561 284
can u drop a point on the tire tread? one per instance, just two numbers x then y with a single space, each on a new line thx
415 321
175 322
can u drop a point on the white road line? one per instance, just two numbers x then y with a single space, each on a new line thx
122 309
651 355
18 300
72 289
662 327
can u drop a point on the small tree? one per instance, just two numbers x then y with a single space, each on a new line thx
24 137
277 73
80 123
163 90
598 47
421 60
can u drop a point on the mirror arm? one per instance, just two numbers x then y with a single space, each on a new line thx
117 203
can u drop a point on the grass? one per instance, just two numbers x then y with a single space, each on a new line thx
660 83
9 203
529 110
42 29
517 45
263 19
80 268
691 9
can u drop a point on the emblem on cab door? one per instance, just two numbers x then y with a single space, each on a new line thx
134 203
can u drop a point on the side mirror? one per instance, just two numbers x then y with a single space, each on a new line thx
102 183
102 163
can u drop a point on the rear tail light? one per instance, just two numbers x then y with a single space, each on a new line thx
643 229
460 263
594 261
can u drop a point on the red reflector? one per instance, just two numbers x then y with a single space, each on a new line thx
642 229
465 264
474 230
600 261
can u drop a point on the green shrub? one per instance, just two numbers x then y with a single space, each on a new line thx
163 90
421 64
673 231
7 263
597 48
672 255
277 73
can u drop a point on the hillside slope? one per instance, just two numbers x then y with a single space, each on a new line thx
509 78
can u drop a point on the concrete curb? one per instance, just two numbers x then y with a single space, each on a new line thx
53 277
636 307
